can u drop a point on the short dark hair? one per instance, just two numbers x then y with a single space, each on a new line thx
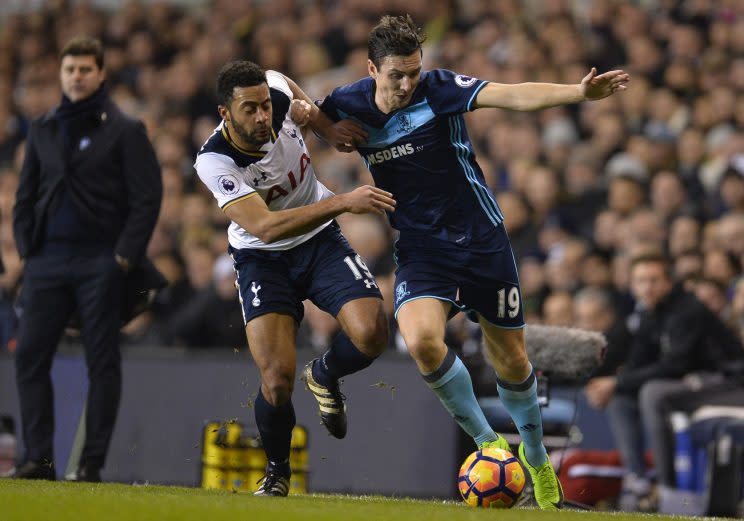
84 46
394 36
653 257
241 73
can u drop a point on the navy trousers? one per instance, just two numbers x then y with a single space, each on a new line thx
54 287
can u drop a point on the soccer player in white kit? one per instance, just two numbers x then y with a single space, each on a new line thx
286 247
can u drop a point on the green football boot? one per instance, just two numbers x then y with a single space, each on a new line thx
548 490
499 443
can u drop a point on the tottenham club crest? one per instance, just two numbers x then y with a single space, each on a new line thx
228 184
404 123
401 292
256 301
464 81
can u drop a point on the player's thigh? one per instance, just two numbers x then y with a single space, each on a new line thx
265 285
337 275
492 293
365 323
505 350
496 297
491 285
271 340
425 298
424 280
422 322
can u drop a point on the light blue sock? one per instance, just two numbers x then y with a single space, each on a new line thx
520 401
452 384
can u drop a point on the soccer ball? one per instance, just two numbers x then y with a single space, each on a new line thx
491 478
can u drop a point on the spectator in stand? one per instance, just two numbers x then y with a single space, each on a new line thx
594 310
676 336
558 309
688 266
213 318
684 235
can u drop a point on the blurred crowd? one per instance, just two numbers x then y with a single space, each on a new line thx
583 187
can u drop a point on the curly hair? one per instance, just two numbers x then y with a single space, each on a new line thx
240 73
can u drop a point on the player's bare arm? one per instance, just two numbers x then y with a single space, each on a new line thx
536 96
343 135
255 217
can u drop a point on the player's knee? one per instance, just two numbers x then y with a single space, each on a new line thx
513 367
424 347
371 337
508 356
278 394
277 387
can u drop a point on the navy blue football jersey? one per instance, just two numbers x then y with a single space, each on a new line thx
422 155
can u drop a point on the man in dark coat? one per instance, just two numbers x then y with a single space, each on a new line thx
88 199
678 345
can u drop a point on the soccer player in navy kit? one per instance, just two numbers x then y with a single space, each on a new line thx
286 248
453 253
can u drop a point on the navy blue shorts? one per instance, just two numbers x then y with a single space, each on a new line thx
483 282
324 269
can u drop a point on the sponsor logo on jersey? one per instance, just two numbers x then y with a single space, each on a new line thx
389 153
228 184
464 81
277 190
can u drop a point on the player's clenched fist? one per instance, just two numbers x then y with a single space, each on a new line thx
369 199
300 112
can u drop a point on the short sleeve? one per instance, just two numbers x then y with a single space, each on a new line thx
450 93
276 80
328 106
223 179
281 97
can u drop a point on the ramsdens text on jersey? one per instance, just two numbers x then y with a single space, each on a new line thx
389 153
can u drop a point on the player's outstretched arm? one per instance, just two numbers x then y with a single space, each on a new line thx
536 96
259 220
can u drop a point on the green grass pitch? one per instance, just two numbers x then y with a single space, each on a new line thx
60 501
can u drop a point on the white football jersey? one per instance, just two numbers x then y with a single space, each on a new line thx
280 172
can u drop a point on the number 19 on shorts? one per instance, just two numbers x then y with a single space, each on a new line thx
358 267
508 302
